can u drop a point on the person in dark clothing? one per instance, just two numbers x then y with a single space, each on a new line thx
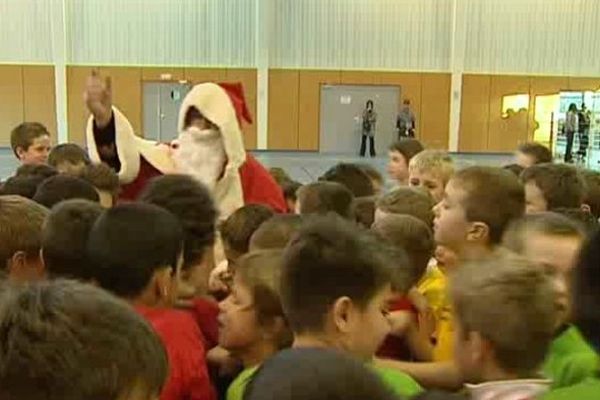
584 121
369 121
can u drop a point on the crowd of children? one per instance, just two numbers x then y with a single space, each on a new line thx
477 283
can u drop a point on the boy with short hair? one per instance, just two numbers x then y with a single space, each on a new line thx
532 153
24 186
346 306
325 197
409 201
21 222
30 142
105 180
64 187
553 243
552 186
276 232
68 158
400 154
351 176
375 177
137 253
94 346
64 239
237 230
505 318
592 196
38 170
431 170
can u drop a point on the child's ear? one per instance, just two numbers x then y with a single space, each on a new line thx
162 282
342 314
478 232
20 151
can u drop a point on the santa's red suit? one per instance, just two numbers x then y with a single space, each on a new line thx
242 181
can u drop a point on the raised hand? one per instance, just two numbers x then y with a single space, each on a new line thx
98 98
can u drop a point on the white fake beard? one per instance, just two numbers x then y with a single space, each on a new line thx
201 154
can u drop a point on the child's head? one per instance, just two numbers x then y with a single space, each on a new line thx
375 176
407 201
276 232
479 203
505 318
550 186
316 374
68 158
587 292
401 152
351 176
431 170
532 153
411 235
290 190
21 222
105 180
592 196
94 346
64 187
25 186
192 203
279 175
325 197
30 141
364 211
37 170
237 230
552 242
335 287
136 250
65 236
252 323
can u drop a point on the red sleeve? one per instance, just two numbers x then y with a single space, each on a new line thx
259 186
206 313
188 378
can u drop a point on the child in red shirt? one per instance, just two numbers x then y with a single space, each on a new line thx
137 253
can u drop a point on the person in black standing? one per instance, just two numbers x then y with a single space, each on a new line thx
369 121
584 121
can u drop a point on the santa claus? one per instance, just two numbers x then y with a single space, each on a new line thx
209 146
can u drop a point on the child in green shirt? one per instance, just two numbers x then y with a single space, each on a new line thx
252 323
553 242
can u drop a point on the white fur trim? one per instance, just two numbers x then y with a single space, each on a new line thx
214 103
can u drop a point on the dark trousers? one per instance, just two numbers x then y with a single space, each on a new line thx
584 141
363 145
569 150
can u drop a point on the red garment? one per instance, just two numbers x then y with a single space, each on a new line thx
394 347
259 186
131 191
183 341
206 314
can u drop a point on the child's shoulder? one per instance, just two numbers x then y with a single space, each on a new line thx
170 323
586 390
399 382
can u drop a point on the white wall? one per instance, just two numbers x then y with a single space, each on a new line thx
533 36
362 34
161 32
25 31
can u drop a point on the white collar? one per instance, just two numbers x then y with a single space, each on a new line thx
518 389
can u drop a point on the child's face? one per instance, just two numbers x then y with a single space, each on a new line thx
364 329
524 160
450 224
428 181
238 325
397 166
37 152
535 202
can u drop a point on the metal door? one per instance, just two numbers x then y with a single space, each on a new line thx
341 117
162 101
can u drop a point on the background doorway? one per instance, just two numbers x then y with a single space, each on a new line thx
162 101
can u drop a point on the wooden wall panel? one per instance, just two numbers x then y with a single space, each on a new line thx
542 85
474 115
127 93
199 75
283 110
359 77
247 77
583 84
39 97
155 73
309 106
435 110
77 113
11 100
505 134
